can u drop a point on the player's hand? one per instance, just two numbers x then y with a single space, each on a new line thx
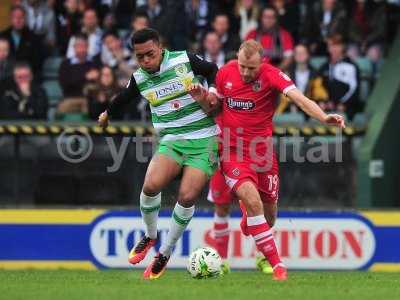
212 99
335 120
103 120
197 92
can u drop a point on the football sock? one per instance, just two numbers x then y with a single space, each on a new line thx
181 217
221 235
262 234
149 208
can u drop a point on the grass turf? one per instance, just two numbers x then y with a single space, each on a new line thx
177 285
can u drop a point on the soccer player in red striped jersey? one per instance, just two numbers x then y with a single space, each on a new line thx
247 90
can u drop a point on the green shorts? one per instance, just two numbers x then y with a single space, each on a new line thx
198 153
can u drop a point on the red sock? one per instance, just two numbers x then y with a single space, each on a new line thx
262 234
221 235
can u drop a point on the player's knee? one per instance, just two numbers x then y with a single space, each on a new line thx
254 207
222 210
151 189
187 198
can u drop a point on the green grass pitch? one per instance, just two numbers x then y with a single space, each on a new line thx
177 285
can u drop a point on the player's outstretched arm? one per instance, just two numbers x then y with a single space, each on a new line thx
119 101
313 110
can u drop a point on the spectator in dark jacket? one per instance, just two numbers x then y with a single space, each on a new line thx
221 25
24 45
91 28
289 15
68 24
367 30
41 20
324 18
197 18
341 77
74 73
212 49
22 98
6 62
155 11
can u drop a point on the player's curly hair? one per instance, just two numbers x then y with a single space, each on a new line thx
144 35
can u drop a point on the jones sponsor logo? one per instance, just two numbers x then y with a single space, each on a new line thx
112 238
239 104
170 89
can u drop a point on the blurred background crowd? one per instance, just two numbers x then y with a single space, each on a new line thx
64 59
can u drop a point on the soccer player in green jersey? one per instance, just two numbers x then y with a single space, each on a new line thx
188 144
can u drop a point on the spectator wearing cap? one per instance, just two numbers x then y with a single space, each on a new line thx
276 41
23 98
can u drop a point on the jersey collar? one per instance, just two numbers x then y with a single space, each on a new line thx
164 60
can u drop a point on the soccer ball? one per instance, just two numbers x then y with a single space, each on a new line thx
204 262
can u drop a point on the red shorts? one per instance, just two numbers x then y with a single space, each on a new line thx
266 179
219 192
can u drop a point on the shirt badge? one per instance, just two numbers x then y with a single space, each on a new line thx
228 85
176 104
257 86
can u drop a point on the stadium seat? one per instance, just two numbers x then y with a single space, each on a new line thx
365 66
317 61
289 118
73 117
51 66
53 91
360 120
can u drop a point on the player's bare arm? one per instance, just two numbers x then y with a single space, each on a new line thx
313 110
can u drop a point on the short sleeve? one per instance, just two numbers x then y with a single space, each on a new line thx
279 80
219 83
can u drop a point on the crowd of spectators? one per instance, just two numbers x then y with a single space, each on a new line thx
323 45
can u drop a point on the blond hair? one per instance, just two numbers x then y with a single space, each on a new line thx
251 47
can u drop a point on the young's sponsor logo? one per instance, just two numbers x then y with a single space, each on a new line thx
240 104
